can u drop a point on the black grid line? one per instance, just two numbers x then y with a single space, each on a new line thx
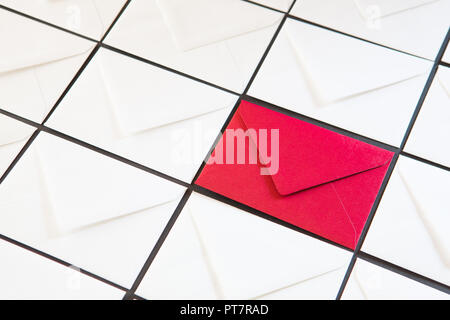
161 66
85 64
319 123
60 261
265 6
426 161
142 59
39 128
189 192
393 163
353 36
192 186
404 272
130 294
49 24
158 245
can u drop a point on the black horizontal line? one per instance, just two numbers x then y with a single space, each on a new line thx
60 261
160 66
404 272
49 24
429 162
354 37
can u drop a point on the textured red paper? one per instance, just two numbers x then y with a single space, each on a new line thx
326 183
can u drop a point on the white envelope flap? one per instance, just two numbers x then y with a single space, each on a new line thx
277 4
77 15
251 257
337 66
29 43
144 97
85 187
370 9
376 283
13 131
370 280
198 23
429 187
443 77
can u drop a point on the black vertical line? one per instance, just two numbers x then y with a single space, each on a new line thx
266 52
158 245
425 91
72 82
130 293
119 14
85 63
19 155
188 193
39 128
392 165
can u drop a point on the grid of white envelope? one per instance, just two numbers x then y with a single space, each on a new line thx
136 125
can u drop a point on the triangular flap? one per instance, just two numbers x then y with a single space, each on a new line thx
86 17
308 154
428 187
443 77
127 82
12 131
283 5
85 188
338 66
198 23
31 43
382 8
251 256
181 271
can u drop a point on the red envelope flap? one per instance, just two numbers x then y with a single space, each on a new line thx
310 155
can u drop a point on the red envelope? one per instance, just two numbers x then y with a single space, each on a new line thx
326 182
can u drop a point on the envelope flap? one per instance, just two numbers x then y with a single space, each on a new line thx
31 43
443 76
428 187
337 66
12 131
144 97
85 188
371 9
251 256
198 23
310 155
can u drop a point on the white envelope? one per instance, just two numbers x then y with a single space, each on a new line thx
216 251
220 41
151 116
282 5
415 26
88 17
37 62
89 210
25 275
13 136
370 282
410 228
431 132
349 83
